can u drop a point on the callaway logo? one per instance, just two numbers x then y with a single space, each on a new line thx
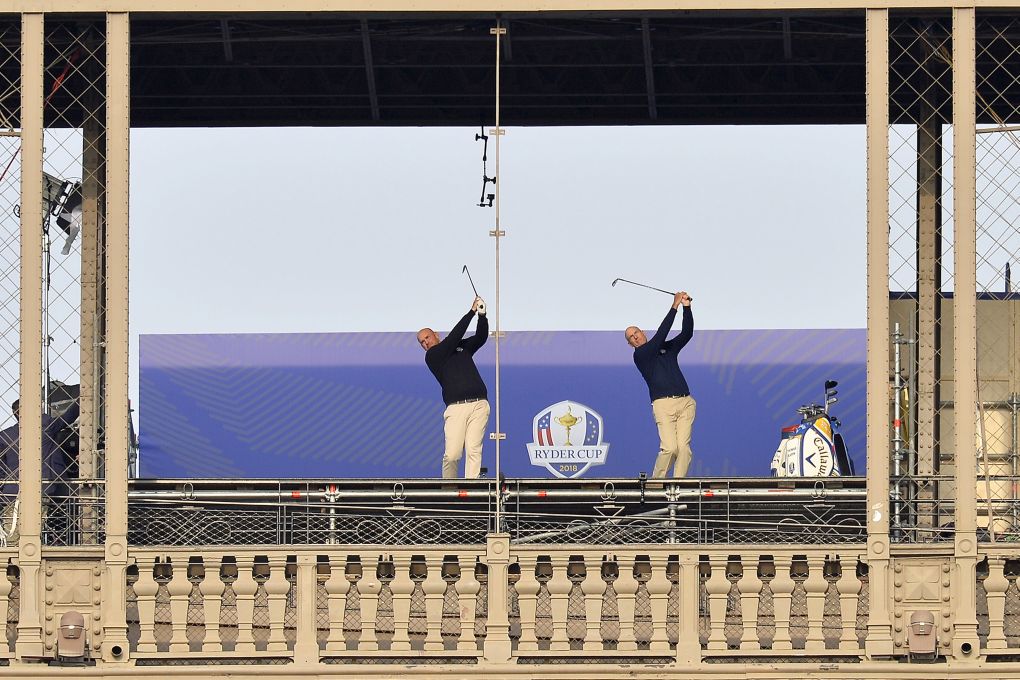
568 439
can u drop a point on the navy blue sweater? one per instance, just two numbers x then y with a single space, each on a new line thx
657 358
452 362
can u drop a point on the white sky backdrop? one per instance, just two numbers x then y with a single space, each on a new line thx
298 230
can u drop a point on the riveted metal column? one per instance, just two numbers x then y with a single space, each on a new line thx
879 641
30 641
92 324
116 399
965 637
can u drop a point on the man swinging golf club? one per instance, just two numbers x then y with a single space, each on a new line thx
672 404
467 407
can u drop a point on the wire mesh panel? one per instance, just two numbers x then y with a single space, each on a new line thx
998 252
74 177
920 272
10 271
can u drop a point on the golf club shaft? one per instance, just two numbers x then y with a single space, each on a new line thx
635 283
643 285
470 280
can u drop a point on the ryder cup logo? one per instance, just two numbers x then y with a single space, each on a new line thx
556 430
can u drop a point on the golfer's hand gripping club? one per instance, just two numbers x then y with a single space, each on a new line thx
478 305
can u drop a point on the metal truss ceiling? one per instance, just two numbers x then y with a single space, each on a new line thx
705 68
607 69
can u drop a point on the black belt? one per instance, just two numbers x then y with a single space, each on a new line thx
465 401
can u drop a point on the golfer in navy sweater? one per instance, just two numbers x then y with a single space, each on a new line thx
467 407
672 404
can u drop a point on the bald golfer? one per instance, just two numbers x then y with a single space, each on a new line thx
672 404
467 407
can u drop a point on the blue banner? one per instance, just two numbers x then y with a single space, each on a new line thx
341 405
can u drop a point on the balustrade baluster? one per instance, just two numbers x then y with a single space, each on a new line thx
626 589
368 588
277 586
559 591
849 587
658 591
146 589
401 586
749 586
527 592
995 587
434 588
815 586
594 587
179 589
5 591
212 588
245 588
337 586
467 587
782 597
718 588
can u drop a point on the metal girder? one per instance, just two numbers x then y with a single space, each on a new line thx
366 45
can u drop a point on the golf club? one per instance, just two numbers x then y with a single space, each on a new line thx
635 283
481 306
470 280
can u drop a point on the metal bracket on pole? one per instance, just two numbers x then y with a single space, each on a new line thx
497 233
497 30
497 334
497 131
497 435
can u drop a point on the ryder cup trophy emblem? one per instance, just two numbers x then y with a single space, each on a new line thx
553 449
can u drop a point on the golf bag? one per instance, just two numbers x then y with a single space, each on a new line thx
813 448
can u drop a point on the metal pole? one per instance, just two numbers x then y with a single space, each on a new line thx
496 233
1014 451
897 425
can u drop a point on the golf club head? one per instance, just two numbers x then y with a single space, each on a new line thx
613 284
464 270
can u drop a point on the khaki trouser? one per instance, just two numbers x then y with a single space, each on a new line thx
464 426
674 416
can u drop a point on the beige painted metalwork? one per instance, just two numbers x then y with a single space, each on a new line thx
879 626
118 61
965 639
501 609
473 6
30 470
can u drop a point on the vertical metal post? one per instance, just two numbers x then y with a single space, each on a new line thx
30 641
116 399
93 187
498 435
929 296
965 638
879 641
898 441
